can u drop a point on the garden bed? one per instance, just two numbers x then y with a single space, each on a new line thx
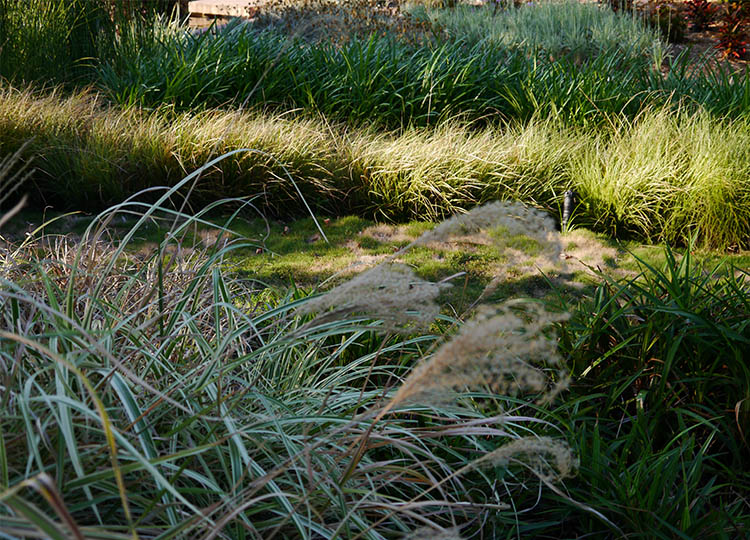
334 291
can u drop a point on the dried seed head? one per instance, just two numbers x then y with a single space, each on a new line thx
525 237
503 222
390 292
428 533
548 458
502 347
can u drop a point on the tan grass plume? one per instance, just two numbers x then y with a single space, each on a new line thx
391 292
504 348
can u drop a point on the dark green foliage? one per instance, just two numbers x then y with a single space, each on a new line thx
43 39
693 320
378 80
375 80
661 393
62 40
392 84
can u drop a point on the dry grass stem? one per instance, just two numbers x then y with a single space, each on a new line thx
548 458
391 292
499 348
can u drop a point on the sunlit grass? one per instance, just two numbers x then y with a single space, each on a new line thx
557 28
664 176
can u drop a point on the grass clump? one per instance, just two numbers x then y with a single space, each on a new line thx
264 407
561 28
50 39
61 41
662 177
162 395
396 83
362 81
680 162
385 75
659 365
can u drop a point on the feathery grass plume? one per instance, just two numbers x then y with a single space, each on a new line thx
428 533
526 236
498 348
549 459
502 222
391 292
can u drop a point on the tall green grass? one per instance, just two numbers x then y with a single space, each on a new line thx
554 28
661 371
684 163
163 396
386 82
664 176
584 73
377 81
52 40
62 41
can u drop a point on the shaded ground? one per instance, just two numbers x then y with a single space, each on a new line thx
279 254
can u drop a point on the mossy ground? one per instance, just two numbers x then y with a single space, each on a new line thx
280 254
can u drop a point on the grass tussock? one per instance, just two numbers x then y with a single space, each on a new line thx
62 41
659 361
549 27
664 176
692 164
162 395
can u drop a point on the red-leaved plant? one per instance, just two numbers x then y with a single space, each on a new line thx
733 38
700 13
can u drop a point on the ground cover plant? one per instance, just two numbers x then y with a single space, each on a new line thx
416 81
199 362
378 80
665 356
448 73
664 176
206 409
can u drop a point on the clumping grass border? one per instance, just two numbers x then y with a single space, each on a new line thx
381 80
665 176
168 399
268 389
